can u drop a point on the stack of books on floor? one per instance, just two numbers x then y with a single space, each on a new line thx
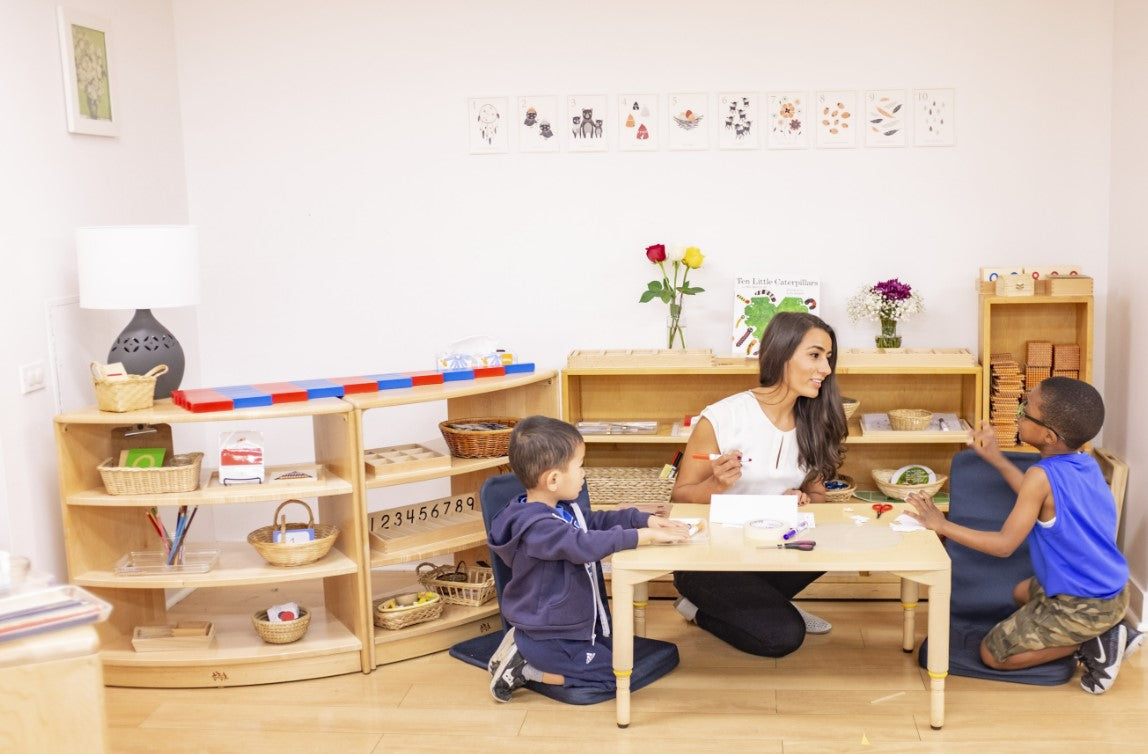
26 613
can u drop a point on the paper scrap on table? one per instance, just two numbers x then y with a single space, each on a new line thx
905 522
737 509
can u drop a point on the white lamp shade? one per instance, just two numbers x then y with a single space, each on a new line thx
137 266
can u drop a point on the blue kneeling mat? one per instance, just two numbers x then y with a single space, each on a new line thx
652 658
982 584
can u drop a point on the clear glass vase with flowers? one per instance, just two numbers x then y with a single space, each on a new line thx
682 260
887 302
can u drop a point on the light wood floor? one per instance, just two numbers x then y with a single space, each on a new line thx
851 690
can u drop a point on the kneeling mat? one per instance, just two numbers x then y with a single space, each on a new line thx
965 659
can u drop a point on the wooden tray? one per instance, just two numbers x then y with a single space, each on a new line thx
395 459
634 357
425 524
194 634
918 357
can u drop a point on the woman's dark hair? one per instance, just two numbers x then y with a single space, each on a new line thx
538 444
1074 409
821 426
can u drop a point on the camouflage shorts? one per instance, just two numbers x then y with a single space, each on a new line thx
1059 621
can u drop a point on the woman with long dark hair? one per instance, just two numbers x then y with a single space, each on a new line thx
793 428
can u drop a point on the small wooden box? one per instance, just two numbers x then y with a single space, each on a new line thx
396 459
191 634
1015 285
1065 285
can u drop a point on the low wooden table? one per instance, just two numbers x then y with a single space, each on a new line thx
916 557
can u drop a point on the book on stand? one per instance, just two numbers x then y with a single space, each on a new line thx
757 298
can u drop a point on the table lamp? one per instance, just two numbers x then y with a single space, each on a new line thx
141 267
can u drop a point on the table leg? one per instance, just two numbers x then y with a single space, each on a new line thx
641 600
623 608
938 659
910 593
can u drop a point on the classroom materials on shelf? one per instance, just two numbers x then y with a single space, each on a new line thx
188 634
940 426
627 485
241 457
617 427
202 400
281 631
180 473
278 549
140 458
195 558
118 392
405 610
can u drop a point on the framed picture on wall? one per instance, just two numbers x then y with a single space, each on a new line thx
935 117
736 116
586 122
886 118
86 55
786 121
489 125
638 122
537 117
835 115
687 121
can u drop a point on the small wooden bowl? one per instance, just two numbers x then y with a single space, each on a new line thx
842 494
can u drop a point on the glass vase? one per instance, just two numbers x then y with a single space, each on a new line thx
888 337
675 331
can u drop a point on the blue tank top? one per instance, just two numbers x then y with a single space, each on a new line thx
1077 555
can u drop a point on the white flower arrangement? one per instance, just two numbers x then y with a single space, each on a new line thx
889 299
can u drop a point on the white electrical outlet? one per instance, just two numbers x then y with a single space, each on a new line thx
33 377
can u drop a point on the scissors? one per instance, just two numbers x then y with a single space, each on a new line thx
881 508
801 544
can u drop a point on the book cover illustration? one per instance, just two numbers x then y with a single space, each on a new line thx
756 298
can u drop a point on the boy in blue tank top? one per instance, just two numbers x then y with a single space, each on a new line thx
1075 603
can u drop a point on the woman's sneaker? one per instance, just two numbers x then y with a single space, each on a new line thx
1102 657
814 624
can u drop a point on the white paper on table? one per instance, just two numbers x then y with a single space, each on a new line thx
737 509
905 522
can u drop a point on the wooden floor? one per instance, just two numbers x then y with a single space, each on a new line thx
851 690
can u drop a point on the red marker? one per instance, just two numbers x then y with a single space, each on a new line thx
715 456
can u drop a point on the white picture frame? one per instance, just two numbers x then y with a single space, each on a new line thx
935 117
638 123
787 120
886 118
86 55
538 116
738 126
687 120
835 115
587 123
488 125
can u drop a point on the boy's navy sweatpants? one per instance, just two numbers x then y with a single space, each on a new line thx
581 663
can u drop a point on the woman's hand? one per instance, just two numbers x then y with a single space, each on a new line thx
726 469
927 514
802 497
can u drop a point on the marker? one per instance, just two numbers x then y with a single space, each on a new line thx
714 457
794 530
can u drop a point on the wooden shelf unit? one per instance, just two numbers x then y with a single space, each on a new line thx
100 528
512 395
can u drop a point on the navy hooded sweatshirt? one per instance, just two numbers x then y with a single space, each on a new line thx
552 592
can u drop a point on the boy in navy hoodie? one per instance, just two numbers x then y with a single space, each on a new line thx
560 630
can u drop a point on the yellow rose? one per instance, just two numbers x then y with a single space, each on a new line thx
693 257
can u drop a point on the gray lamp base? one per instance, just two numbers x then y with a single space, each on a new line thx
144 344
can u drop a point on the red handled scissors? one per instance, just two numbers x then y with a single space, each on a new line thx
881 508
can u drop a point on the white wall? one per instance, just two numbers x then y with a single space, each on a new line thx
1127 414
51 182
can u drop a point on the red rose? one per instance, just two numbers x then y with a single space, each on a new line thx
656 253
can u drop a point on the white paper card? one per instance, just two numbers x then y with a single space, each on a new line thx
737 509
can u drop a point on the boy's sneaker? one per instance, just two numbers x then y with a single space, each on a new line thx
508 674
1134 641
1102 657
505 647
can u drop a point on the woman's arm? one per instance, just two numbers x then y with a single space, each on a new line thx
699 479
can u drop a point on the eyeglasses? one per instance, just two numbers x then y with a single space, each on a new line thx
1022 413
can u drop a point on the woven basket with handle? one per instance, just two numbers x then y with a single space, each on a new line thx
129 393
458 584
292 553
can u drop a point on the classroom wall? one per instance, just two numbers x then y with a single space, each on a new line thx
52 182
1127 413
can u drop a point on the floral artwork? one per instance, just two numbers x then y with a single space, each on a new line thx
935 117
885 118
585 123
85 48
786 120
687 121
683 259
638 122
835 116
536 119
737 121
489 127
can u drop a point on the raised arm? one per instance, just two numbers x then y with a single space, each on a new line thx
699 479
984 441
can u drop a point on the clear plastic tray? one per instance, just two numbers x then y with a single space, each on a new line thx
200 559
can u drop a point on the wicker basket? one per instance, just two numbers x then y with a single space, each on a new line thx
884 480
613 485
458 584
850 405
841 494
909 418
181 476
282 632
293 553
471 443
130 393
402 611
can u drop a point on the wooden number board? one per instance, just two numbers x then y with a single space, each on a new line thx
426 522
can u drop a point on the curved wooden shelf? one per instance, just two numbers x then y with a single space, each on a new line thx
208 494
445 391
166 412
457 466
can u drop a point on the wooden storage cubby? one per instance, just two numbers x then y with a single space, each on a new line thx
99 528
423 537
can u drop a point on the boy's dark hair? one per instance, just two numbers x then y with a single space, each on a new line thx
1073 408
538 444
